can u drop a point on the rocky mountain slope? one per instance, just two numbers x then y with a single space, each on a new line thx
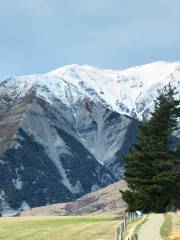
63 134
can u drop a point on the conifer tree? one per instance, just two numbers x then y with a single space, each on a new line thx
152 168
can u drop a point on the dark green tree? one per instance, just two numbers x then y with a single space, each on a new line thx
152 167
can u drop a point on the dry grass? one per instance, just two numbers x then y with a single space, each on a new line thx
175 226
171 227
175 237
176 223
166 228
140 223
59 228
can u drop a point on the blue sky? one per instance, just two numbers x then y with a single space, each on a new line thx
41 35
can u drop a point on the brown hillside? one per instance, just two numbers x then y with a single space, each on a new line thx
105 201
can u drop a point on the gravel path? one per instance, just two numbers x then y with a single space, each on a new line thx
150 230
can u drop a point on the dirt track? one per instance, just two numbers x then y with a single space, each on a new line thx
150 230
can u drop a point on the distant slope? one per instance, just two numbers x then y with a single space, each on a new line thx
105 201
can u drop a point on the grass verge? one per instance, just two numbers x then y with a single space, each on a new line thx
138 226
134 226
166 228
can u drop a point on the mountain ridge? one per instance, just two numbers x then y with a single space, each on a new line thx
107 85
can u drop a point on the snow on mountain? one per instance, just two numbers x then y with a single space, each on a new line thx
129 91
124 91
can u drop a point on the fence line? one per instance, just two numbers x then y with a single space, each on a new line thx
120 233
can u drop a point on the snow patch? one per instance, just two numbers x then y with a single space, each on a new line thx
17 183
24 206
94 188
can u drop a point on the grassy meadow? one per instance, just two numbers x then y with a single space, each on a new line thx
59 228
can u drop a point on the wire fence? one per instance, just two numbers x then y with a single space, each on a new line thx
120 233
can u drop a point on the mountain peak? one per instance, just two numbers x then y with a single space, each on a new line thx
121 87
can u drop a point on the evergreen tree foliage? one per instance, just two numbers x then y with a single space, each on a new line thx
152 168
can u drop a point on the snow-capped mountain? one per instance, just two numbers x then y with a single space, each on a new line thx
63 133
123 91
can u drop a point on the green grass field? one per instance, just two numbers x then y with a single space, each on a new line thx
59 228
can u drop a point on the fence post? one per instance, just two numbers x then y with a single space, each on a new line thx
117 234
121 235
130 216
